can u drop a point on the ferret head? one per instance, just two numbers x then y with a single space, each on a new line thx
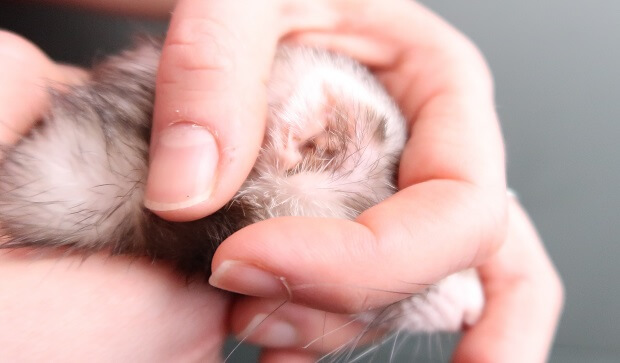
333 140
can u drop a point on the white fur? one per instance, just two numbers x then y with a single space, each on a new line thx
297 99
65 197
452 303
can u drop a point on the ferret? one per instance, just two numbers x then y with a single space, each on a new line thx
331 149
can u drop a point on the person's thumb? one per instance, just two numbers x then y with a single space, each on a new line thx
209 106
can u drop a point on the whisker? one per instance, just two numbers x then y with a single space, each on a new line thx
352 286
330 332
393 350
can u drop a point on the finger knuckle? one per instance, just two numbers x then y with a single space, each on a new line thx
16 47
8 39
468 54
556 286
493 209
488 223
201 44
483 356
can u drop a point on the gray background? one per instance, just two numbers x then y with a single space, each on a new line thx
556 66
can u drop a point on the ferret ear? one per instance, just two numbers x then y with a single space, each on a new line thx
358 120
322 135
336 128
338 113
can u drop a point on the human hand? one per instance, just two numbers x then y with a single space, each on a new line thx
357 35
452 171
524 298
450 213
210 83
65 307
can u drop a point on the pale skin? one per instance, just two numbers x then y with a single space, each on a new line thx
215 60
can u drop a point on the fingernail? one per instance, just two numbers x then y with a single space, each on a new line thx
272 333
245 279
182 168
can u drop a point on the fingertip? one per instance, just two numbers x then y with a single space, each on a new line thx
182 170
286 356
274 323
18 48
195 170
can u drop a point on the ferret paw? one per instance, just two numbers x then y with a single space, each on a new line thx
450 305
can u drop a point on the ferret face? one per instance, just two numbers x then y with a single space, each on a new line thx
332 144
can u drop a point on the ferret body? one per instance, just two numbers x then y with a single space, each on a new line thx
331 149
